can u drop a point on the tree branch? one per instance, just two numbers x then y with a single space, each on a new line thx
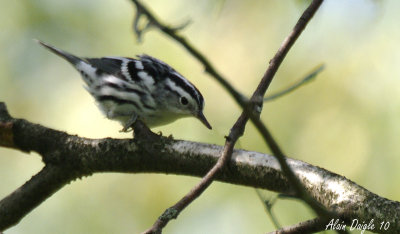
309 77
254 105
69 157
173 33
30 195
309 226
268 204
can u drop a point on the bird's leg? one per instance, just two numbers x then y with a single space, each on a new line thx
129 123
140 129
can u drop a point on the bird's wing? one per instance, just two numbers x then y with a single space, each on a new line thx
112 66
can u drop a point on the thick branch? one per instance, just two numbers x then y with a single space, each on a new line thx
82 157
40 187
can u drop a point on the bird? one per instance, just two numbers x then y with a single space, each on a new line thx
142 88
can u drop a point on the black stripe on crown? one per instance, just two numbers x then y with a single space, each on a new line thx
189 88
155 67
160 70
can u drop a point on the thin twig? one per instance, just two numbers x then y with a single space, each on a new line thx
300 190
271 142
309 226
254 104
172 32
173 211
268 203
309 77
268 138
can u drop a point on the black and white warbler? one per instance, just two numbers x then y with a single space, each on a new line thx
145 88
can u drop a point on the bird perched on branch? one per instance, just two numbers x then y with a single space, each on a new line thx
144 88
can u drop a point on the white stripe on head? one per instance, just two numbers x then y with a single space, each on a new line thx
176 88
188 84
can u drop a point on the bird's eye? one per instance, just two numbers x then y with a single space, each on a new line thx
183 101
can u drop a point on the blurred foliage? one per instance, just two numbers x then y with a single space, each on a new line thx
346 121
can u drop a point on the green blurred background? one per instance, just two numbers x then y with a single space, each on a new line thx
346 121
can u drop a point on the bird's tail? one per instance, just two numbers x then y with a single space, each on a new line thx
69 57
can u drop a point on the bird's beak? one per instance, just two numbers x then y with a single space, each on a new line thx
203 119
